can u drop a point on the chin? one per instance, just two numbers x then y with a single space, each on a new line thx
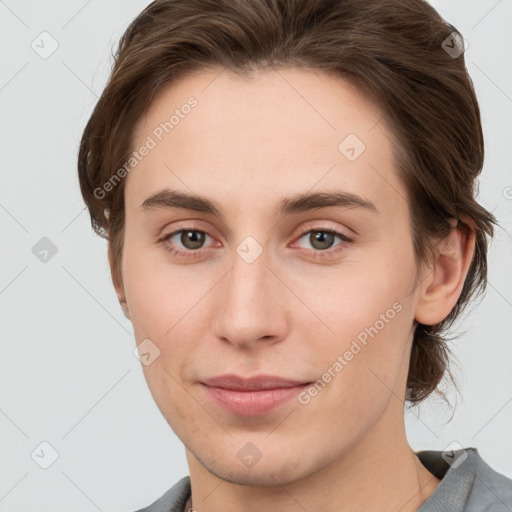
265 473
249 478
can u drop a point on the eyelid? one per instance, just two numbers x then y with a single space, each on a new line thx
180 225
345 233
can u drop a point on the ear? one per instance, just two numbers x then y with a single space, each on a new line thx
442 283
118 283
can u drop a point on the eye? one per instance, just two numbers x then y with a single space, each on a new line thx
188 242
190 239
322 240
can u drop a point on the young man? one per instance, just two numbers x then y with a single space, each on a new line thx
287 192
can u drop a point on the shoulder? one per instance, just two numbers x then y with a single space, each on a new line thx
491 490
173 500
468 483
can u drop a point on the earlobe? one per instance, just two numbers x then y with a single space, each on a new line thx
443 282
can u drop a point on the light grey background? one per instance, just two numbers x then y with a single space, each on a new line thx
67 372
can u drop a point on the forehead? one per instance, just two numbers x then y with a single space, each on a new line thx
282 131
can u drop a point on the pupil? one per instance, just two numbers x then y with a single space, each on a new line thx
192 239
324 239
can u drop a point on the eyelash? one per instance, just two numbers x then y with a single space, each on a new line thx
315 254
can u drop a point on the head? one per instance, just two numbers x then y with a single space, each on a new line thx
234 112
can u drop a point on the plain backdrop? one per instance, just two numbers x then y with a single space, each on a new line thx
68 376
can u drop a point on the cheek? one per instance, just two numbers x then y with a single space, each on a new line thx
168 306
354 299
369 313
155 297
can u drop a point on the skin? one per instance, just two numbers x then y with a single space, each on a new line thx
247 144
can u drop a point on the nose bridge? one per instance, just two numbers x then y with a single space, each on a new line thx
248 309
248 277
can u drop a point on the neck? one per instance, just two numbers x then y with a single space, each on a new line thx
380 473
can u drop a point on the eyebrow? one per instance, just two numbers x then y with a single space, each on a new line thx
298 203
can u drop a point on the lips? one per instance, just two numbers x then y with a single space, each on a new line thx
252 396
256 383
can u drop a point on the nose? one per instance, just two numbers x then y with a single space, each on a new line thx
251 304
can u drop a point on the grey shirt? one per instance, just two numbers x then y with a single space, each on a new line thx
468 484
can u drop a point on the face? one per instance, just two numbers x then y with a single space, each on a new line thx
228 270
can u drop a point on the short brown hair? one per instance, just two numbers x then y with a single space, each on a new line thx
399 52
